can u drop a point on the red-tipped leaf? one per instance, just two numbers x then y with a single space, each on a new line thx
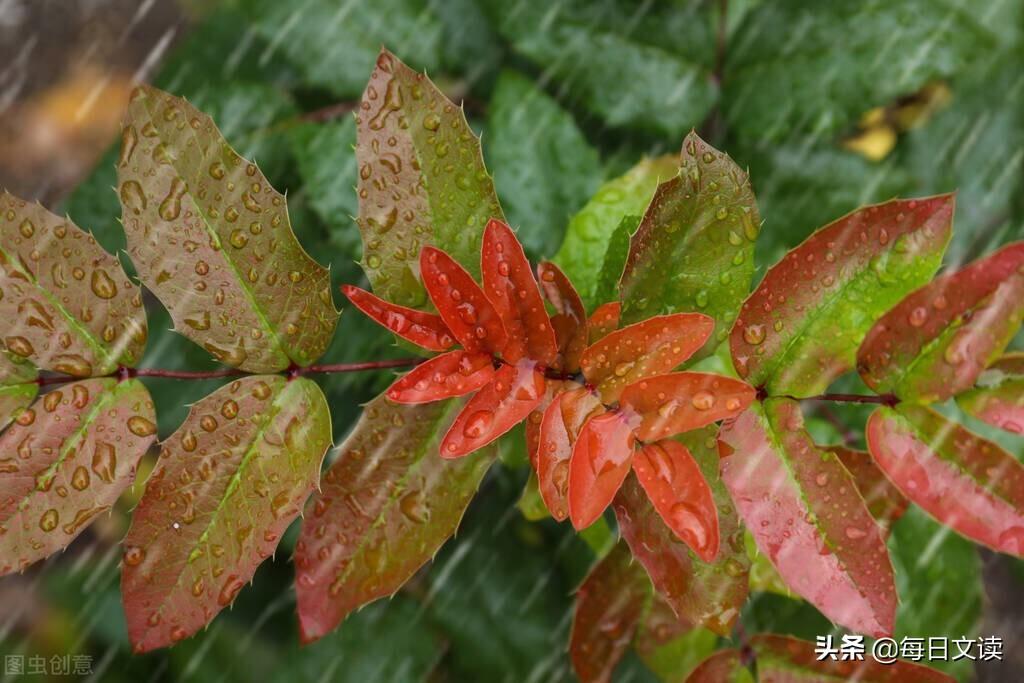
604 320
512 289
456 373
676 487
966 482
998 399
570 318
513 393
884 501
648 348
600 462
559 427
937 340
682 401
425 330
461 303
804 511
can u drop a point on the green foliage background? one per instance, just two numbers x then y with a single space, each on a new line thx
568 95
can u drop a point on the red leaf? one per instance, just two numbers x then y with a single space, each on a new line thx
681 401
801 327
884 501
647 348
552 389
937 340
966 482
609 606
724 666
604 320
784 659
570 319
498 407
676 487
706 594
804 511
511 287
456 373
426 330
600 461
999 397
469 314
561 423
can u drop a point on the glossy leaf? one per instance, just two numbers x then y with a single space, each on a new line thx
885 502
936 341
228 483
531 429
999 397
801 327
510 397
704 594
966 482
694 248
239 283
644 349
67 305
426 330
385 506
609 607
451 374
589 231
607 288
561 423
676 487
18 387
804 511
601 458
465 309
422 180
512 289
604 320
682 401
570 318
65 460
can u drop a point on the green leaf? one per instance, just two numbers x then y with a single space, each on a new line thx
530 503
422 181
609 607
670 648
615 260
384 508
939 580
935 342
470 45
694 248
228 483
804 511
335 45
242 286
784 657
999 397
656 88
545 170
586 239
66 459
67 304
801 327
705 594
840 60
18 388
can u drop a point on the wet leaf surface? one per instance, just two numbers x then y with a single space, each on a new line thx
560 425
569 319
801 327
885 502
65 460
683 401
601 459
998 399
465 309
385 506
18 387
426 330
67 304
240 284
228 483
451 374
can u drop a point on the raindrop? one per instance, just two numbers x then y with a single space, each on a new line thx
140 426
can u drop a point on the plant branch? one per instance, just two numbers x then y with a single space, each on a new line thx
880 399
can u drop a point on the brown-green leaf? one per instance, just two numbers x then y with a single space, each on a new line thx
386 505
801 328
66 304
18 387
65 460
228 483
998 398
694 248
422 180
212 239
